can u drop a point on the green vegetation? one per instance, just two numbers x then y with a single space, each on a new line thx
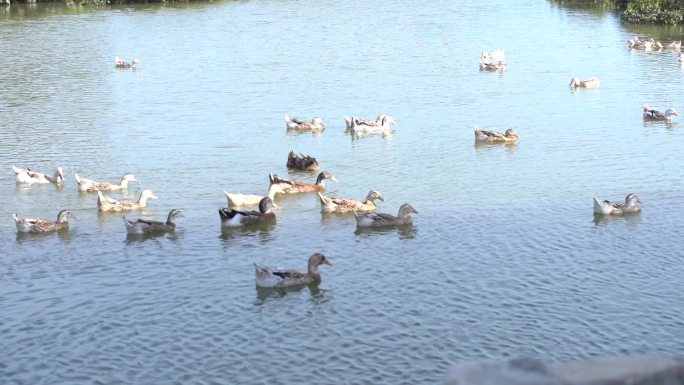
639 11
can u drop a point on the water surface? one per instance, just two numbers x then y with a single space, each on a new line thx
505 258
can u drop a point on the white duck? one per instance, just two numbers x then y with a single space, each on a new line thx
108 204
90 185
120 63
295 124
251 199
605 207
26 175
367 122
383 128
650 114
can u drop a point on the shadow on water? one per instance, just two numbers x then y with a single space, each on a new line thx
265 294
632 219
295 132
405 231
64 235
669 125
136 238
262 232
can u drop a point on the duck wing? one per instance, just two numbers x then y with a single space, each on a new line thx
289 274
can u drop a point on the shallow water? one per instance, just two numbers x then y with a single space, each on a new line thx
504 259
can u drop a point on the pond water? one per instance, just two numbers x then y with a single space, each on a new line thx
505 258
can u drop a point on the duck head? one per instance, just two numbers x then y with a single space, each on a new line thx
265 205
318 121
325 175
405 210
632 200
64 215
511 133
145 195
318 259
173 214
373 195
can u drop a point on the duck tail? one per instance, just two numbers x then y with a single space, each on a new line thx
17 170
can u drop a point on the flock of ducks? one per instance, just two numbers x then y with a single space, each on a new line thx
364 211
232 216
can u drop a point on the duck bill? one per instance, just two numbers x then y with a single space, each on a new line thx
327 263
332 178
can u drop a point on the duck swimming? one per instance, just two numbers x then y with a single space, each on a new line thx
144 226
236 218
605 207
28 225
295 124
359 127
366 122
385 220
650 114
301 162
108 204
28 176
586 83
273 278
90 185
492 136
337 205
293 186
498 66
120 63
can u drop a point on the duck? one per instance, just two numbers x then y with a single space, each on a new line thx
120 63
633 42
293 186
675 45
274 278
632 205
27 225
90 185
144 226
591 82
637 43
498 66
26 175
492 136
302 162
108 204
384 220
367 122
252 199
236 218
488 56
359 127
316 124
337 205
650 114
